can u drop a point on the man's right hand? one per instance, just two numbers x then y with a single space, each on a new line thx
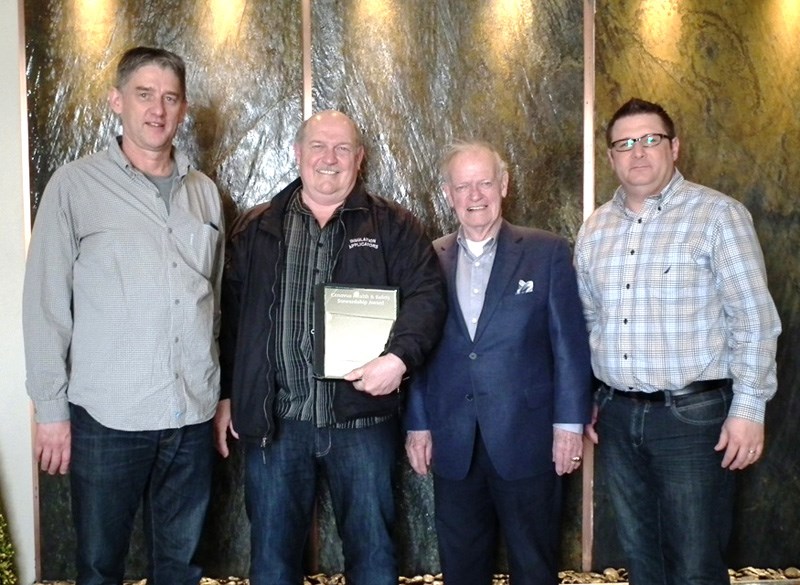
52 447
223 424
589 431
419 447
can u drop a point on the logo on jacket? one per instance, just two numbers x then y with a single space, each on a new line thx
362 243
525 287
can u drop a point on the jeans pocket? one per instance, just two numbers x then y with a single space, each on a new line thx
706 408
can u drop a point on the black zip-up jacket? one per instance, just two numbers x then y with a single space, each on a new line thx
383 245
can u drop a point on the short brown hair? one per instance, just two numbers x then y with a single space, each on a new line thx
639 106
138 57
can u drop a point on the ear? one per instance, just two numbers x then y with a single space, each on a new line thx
504 184
446 191
115 100
675 146
610 159
297 157
359 158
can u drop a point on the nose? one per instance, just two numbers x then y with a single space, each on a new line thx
329 156
638 149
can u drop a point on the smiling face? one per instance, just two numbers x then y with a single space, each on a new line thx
150 105
329 157
475 192
643 171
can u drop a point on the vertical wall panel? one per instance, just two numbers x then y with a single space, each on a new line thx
729 75
416 75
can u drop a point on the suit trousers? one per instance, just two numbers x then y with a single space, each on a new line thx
471 512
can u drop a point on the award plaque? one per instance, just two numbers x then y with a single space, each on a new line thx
352 326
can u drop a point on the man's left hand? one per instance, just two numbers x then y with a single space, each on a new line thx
379 376
567 451
743 442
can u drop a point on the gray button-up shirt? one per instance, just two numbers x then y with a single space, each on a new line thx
121 297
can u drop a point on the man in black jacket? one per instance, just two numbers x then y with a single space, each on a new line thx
323 228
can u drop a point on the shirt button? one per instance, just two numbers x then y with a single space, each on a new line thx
474 320
468 397
625 356
169 230
476 290
174 264
177 301
625 321
177 339
473 356
628 285
640 220
477 264
632 252
176 375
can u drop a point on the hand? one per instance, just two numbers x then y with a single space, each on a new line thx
743 442
419 448
589 431
52 446
567 451
222 425
379 376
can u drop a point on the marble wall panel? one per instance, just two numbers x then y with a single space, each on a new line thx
415 75
729 74
244 85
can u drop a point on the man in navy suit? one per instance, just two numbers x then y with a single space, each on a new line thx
497 412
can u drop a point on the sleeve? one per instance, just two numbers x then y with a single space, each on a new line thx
584 280
570 342
750 314
415 417
47 317
413 267
230 297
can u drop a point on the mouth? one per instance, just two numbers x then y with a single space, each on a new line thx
477 207
329 172
155 124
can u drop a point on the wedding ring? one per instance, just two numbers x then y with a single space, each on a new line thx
576 459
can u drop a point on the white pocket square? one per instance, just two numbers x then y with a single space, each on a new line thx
525 287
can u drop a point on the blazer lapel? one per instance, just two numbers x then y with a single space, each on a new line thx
448 258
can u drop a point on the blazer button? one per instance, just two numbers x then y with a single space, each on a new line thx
473 356
468 397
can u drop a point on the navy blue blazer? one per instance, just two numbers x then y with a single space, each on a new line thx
527 367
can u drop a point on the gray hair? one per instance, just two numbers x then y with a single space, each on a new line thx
461 146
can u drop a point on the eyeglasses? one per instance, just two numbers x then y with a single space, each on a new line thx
647 141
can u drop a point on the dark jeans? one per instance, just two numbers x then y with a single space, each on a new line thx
673 500
112 472
280 485
468 512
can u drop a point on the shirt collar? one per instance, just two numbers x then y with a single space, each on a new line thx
182 163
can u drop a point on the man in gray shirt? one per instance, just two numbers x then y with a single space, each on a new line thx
120 317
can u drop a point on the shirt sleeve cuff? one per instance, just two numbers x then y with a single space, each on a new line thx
748 407
50 411
570 427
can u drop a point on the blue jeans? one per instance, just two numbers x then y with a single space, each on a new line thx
673 500
468 512
112 472
280 485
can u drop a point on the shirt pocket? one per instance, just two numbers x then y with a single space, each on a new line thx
197 245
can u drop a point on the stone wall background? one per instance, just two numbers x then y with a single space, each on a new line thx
416 74
729 75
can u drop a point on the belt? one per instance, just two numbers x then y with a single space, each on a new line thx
661 395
